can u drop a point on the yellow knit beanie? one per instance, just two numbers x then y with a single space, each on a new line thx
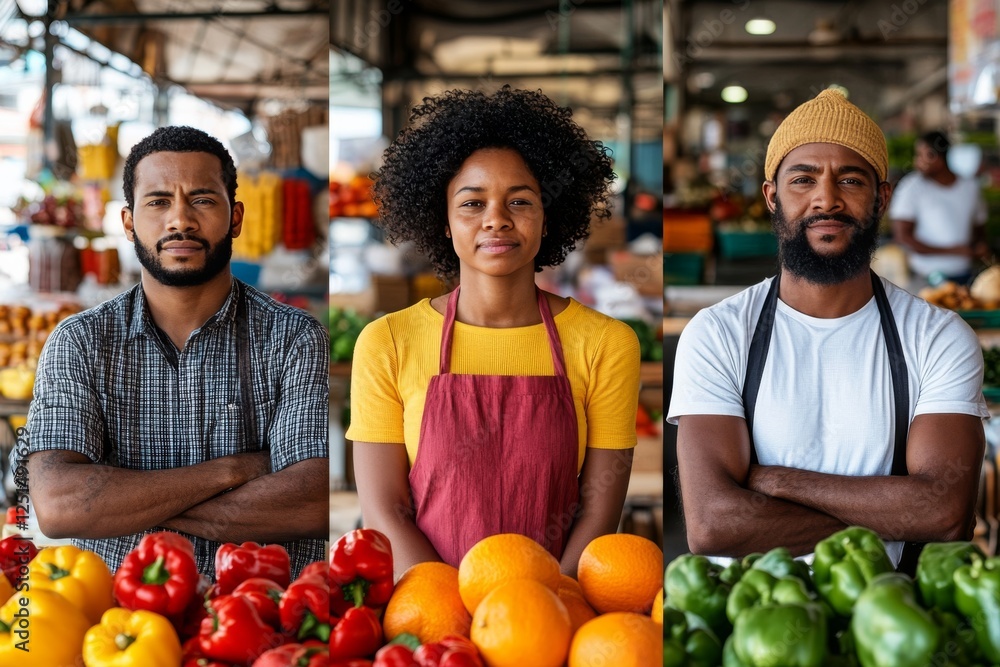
828 119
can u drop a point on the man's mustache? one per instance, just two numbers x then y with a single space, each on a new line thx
180 237
838 217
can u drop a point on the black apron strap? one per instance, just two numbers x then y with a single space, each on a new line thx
758 357
901 398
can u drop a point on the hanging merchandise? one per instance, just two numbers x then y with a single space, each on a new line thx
299 230
97 161
262 196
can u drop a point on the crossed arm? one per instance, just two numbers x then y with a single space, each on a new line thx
733 509
74 497
903 232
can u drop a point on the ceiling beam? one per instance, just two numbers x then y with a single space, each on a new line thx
101 19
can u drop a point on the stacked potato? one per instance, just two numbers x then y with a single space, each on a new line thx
23 332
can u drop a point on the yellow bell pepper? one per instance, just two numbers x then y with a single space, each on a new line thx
6 589
79 576
40 628
127 638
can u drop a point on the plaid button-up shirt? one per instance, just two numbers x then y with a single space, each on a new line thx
112 386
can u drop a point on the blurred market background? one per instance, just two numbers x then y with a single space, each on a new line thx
601 58
81 82
733 70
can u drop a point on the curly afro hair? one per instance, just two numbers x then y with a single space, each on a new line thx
178 139
410 189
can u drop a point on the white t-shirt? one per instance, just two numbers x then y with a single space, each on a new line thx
825 402
943 216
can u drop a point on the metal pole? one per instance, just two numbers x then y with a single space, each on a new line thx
48 115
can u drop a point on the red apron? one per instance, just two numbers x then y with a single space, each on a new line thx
497 453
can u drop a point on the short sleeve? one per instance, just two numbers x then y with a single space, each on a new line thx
65 412
951 374
376 404
902 205
612 396
707 374
300 429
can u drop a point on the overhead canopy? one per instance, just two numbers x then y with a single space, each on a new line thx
251 50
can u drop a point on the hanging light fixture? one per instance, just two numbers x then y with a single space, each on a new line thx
760 26
734 94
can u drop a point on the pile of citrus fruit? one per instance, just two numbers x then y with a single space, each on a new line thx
509 597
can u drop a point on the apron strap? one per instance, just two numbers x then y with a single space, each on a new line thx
757 358
901 398
244 369
447 333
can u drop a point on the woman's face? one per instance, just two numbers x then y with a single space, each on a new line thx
495 214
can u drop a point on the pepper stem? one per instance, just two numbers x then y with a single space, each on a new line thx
123 641
56 572
156 573
355 592
4 627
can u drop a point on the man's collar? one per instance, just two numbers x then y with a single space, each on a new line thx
142 322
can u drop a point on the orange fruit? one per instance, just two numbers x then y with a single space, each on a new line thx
621 572
500 558
622 639
426 603
572 596
657 613
521 622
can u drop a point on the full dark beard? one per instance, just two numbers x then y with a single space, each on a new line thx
216 259
797 256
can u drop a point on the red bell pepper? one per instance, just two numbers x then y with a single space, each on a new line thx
354 662
234 632
265 596
193 657
452 651
159 575
15 554
305 608
360 571
357 635
235 564
395 655
295 655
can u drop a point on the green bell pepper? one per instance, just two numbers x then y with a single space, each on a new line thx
779 563
685 644
733 573
758 588
890 629
958 639
977 596
936 569
692 584
845 562
786 635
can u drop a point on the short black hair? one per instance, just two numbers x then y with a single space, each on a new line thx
937 142
410 189
179 139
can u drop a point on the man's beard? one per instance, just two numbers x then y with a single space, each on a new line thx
797 256
216 260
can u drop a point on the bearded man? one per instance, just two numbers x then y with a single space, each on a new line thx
826 396
190 402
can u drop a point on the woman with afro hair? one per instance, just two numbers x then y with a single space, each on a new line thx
496 408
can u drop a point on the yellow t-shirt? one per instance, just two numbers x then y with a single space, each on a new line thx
396 356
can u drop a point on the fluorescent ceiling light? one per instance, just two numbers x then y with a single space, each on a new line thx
760 26
734 94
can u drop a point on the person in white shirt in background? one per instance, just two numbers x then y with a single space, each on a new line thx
938 216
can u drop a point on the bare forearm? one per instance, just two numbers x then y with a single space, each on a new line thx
739 522
287 505
602 495
87 500
911 242
912 507
409 544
